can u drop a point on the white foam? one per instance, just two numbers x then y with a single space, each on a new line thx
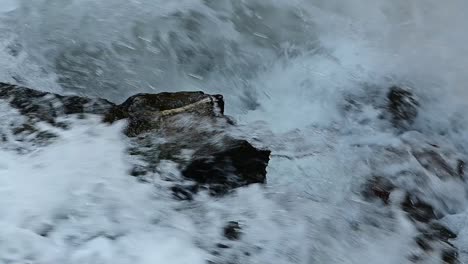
291 64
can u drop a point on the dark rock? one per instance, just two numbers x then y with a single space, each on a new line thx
218 163
414 258
435 163
45 135
418 210
440 232
148 111
184 192
420 203
378 187
24 128
186 120
232 230
450 256
191 121
447 252
36 106
138 171
45 230
423 243
240 164
461 169
402 106
224 246
47 106
435 238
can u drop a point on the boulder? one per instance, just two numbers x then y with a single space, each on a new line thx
161 127
147 112
238 164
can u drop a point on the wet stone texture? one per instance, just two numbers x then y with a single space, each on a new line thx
161 127
421 160
402 105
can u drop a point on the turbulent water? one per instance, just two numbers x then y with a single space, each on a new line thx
286 69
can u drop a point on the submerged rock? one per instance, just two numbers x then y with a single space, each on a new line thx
43 106
402 105
161 127
34 107
378 187
407 175
461 169
433 238
411 173
232 231
418 210
435 163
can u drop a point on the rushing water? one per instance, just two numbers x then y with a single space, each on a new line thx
285 68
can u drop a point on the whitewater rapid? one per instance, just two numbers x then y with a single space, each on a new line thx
286 70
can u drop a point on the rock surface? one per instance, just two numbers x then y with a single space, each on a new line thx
43 106
232 230
161 128
239 164
147 112
402 105
425 162
412 174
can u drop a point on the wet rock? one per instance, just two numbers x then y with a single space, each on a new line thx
423 243
461 169
450 256
184 192
433 234
435 249
138 171
418 210
43 106
194 123
402 105
161 128
440 232
239 164
223 246
24 129
36 106
422 200
436 163
414 258
147 112
232 230
378 187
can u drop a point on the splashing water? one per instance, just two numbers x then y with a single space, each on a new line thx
286 69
